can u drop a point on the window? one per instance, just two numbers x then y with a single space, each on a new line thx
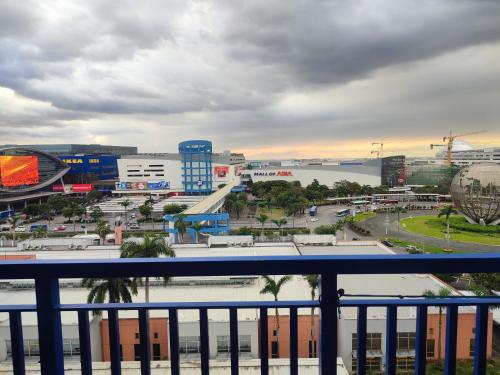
137 352
156 352
224 344
275 332
431 344
121 352
472 347
405 365
373 341
189 344
373 364
137 335
156 335
431 331
274 350
406 341
313 353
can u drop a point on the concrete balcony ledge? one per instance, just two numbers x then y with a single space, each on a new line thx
307 366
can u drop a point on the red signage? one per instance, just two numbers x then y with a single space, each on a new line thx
76 188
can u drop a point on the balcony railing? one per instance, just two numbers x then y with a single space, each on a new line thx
48 307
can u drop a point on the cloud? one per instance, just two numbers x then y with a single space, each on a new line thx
260 73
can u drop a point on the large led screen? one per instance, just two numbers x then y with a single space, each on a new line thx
19 170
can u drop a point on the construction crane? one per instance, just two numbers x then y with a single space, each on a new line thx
376 152
449 142
380 152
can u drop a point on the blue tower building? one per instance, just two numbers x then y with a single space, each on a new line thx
196 159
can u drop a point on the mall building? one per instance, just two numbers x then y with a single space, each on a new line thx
389 171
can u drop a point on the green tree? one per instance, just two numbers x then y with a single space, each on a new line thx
14 221
102 229
273 287
238 208
313 282
180 226
125 204
146 210
117 290
442 293
172 209
67 212
96 213
447 212
326 229
40 232
151 247
398 210
93 196
198 227
262 218
279 223
78 212
57 202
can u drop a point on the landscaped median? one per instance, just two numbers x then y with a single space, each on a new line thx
460 229
363 216
426 248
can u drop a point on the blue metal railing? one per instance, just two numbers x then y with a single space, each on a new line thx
49 308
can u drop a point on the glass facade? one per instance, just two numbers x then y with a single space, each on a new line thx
196 159
393 171
429 174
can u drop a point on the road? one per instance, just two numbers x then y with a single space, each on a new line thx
388 221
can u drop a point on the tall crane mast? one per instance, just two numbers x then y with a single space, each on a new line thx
380 152
449 142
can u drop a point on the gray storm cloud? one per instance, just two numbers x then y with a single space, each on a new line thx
248 72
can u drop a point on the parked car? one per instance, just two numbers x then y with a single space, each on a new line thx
5 227
388 243
355 238
60 228
410 248
314 219
133 226
132 215
20 228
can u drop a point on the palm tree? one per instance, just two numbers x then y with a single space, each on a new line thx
398 210
14 220
447 212
340 226
102 230
238 207
180 226
151 247
125 203
262 218
279 223
272 287
313 281
117 289
198 227
442 293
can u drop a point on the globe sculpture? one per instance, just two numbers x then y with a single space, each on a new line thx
475 191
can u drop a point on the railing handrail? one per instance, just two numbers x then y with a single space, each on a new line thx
251 265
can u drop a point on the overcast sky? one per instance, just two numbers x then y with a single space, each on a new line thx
274 79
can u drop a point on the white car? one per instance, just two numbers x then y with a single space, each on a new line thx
314 219
20 228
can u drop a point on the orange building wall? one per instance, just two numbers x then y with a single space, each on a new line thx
128 330
17 257
466 323
303 331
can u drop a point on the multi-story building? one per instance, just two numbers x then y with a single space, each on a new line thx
205 289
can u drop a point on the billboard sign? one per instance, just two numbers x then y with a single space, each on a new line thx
221 172
273 174
149 185
75 188
19 170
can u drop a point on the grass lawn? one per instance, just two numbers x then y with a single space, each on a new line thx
364 216
274 213
433 227
427 248
464 368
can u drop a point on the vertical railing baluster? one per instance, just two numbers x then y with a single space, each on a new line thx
144 342
173 326
114 342
85 346
328 324
264 343
294 361
451 340
204 343
361 342
390 340
17 342
233 334
421 341
49 326
481 340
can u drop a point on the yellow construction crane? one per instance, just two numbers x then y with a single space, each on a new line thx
380 151
449 142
